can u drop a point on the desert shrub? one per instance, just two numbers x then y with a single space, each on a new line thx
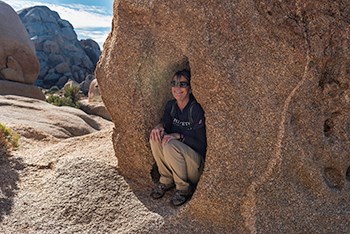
8 138
72 92
61 101
70 97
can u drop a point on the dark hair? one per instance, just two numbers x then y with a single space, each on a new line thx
185 73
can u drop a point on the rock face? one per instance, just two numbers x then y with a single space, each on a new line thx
18 61
95 108
34 117
94 91
66 185
273 78
92 49
61 55
19 89
85 85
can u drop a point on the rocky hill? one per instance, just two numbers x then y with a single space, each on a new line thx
62 56
273 77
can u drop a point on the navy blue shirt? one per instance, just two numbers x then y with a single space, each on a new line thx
192 127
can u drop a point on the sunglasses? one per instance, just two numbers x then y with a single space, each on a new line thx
181 84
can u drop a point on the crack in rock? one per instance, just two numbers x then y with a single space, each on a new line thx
49 166
248 208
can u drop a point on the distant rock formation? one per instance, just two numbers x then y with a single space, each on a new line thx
274 79
19 66
92 49
94 91
85 85
95 108
61 55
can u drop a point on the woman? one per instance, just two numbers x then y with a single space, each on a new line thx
179 142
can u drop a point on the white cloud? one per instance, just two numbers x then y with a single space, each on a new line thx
80 16
98 34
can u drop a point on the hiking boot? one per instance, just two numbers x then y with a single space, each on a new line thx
160 189
181 197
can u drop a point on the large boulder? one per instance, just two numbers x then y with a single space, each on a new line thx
95 108
273 78
20 89
29 116
18 61
60 53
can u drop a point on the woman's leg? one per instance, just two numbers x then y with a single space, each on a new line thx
166 176
184 163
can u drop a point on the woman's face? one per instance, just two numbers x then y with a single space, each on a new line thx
181 89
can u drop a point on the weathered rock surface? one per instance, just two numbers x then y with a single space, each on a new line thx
95 108
71 186
56 185
61 55
18 61
273 78
20 89
94 93
35 117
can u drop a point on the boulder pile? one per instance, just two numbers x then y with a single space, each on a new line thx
61 55
274 80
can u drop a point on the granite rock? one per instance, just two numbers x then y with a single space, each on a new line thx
95 108
18 61
273 78
92 49
20 89
85 85
70 185
31 116
94 93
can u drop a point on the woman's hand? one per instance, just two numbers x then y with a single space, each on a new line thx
157 133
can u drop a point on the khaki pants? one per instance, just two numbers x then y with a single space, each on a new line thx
177 163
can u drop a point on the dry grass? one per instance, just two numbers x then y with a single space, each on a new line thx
8 138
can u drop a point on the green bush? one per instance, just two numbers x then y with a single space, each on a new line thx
62 101
70 97
8 138
72 92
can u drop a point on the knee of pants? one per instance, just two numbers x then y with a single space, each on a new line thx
171 152
169 148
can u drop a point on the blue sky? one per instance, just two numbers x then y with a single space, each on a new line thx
90 18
